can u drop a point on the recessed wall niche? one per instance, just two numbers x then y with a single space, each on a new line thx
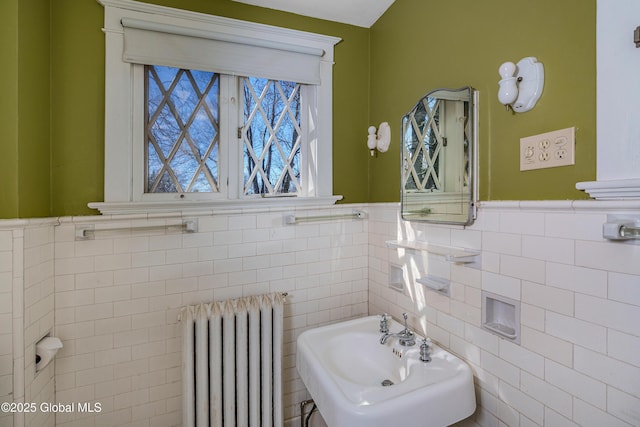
501 316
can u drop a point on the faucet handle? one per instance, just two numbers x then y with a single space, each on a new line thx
384 323
425 347
405 320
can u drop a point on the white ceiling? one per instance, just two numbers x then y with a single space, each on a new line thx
363 13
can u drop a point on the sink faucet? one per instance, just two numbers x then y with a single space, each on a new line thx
406 337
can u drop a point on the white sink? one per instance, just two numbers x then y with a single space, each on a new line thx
344 366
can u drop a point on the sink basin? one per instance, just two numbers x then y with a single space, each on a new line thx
357 382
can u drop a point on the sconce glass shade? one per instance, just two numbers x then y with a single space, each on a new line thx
522 90
371 139
380 141
508 69
508 92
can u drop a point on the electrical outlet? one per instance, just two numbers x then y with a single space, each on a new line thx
548 150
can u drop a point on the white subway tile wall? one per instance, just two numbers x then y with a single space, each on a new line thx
114 303
6 323
118 297
578 362
26 315
38 282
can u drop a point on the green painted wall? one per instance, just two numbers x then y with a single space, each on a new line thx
77 105
421 45
52 109
8 110
24 109
34 186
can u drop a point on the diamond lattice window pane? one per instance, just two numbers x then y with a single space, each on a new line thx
166 184
165 131
154 165
184 98
184 164
202 132
201 184
271 136
182 130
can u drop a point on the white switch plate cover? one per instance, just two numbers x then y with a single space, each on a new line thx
548 150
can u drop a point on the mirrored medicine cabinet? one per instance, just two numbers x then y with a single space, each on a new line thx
439 158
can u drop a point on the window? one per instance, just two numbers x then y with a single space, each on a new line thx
182 137
272 136
210 112
182 133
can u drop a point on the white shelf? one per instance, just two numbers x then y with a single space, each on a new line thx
435 283
451 254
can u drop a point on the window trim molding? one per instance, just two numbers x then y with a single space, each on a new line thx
121 116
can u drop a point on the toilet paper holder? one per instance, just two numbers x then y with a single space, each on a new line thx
46 350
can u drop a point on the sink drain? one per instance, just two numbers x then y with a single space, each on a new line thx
387 383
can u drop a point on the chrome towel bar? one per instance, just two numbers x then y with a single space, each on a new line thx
292 219
621 228
88 231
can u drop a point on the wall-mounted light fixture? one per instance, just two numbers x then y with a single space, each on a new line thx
521 84
380 141
636 36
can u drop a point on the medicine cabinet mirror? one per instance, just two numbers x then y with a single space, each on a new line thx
439 158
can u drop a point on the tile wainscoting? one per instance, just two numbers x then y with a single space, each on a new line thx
579 359
26 315
114 302
117 296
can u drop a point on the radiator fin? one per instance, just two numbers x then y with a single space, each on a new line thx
232 362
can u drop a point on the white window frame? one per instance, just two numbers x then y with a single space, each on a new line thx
124 114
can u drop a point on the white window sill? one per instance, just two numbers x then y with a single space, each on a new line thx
211 207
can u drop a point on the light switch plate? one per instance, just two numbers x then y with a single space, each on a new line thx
548 150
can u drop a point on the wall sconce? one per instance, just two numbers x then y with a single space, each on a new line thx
380 141
521 84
